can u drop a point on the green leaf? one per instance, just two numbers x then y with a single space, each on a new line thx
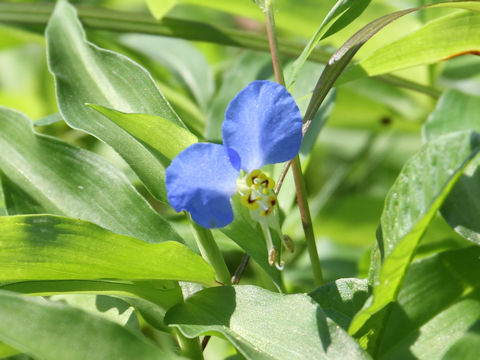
422 186
44 247
341 299
17 201
69 181
265 325
437 310
160 8
342 57
343 13
68 333
7 351
181 58
85 73
455 111
151 298
165 138
441 39
108 307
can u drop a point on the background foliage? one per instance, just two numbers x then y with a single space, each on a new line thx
96 102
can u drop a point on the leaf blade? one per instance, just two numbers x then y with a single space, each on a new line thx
85 73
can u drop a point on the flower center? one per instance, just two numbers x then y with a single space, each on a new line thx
256 191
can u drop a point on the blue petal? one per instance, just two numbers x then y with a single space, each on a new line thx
263 125
201 180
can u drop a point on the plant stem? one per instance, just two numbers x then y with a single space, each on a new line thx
190 348
300 186
240 269
273 42
211 253
307 221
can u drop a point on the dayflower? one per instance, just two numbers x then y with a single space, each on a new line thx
262 126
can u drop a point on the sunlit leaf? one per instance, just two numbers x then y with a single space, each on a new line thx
165 138
69 181
68 333
265 325
437 310
422 186
341 299
443 38
44 247
84 73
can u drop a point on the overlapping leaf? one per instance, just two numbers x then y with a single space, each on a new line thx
57 331
436 315
69 181
45 247
457 111
85 73
265 325
441 39
422 186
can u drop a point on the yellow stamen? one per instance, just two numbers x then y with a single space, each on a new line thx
250 201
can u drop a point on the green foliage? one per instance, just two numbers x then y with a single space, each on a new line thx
95 264
262 324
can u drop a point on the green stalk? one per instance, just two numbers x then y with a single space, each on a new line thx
300 186
304 208
28 15
211 253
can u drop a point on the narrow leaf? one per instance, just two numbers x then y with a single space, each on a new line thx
265 325
342 57
165 138
69 181
44 247
344 12
422 186
84 73
68 333
441 39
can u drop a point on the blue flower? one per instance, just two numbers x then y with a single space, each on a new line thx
262 126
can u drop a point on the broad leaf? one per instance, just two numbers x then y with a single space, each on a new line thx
85 73
439 40
151 298
69 181
265 325
422 186
17 201
162 137
44 247
458 111
68 333
437 310
455 111
341 299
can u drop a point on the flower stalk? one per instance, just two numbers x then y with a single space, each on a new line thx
211 253
300 185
